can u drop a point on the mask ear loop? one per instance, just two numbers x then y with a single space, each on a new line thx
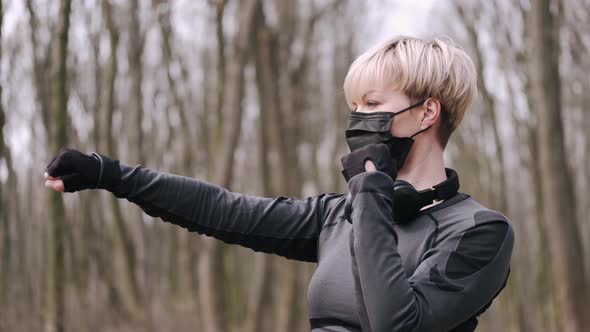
409 107
419 131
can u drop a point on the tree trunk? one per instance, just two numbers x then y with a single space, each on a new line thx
559 206
221 71
135 105
123 243
6 244
499 196
210 261
178 102
40 66
58 137
261 281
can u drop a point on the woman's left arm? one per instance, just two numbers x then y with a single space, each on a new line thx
456 280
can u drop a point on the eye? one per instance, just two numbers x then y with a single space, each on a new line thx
372 103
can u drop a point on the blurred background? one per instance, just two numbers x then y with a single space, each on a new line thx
247 94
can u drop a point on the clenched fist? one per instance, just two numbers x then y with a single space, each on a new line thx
71 171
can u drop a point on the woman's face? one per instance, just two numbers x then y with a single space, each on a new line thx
383 99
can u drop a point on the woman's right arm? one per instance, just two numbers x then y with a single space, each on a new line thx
283 226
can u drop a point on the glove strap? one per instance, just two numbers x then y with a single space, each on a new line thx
109 175
97 156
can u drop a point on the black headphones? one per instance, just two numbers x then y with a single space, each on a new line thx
407 201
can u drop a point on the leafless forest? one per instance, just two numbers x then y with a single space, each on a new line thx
247 94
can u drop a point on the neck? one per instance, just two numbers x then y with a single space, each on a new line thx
424 167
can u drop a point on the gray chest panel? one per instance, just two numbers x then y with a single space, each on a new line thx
331 290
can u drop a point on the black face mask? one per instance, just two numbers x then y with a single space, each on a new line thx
372 128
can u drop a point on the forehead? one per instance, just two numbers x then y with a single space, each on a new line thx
371 77
378 91
366 87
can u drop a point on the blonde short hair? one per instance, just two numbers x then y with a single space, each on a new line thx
420 69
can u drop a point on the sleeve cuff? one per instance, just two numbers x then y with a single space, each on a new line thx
376 181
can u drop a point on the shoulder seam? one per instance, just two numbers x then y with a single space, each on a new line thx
323 211
435 237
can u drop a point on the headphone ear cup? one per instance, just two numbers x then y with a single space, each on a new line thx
406 202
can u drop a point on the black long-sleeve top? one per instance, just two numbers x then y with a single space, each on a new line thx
436 273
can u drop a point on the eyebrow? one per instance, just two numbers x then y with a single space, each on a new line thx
364 96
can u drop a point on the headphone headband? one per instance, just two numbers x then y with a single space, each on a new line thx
444 190
449 187
409 201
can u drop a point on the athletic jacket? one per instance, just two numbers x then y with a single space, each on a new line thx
436 273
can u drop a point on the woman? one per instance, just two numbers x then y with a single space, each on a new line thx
403 250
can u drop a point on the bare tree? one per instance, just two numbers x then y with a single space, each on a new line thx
4 206
210 258
58 133
557 185
122 236
135 47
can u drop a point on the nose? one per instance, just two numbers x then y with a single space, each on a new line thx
363 109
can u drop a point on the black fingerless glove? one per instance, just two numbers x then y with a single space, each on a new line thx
80 171
380 154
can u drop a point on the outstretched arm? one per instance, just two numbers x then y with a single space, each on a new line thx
456 280
283 226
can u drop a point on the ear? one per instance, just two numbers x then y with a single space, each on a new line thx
431 113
